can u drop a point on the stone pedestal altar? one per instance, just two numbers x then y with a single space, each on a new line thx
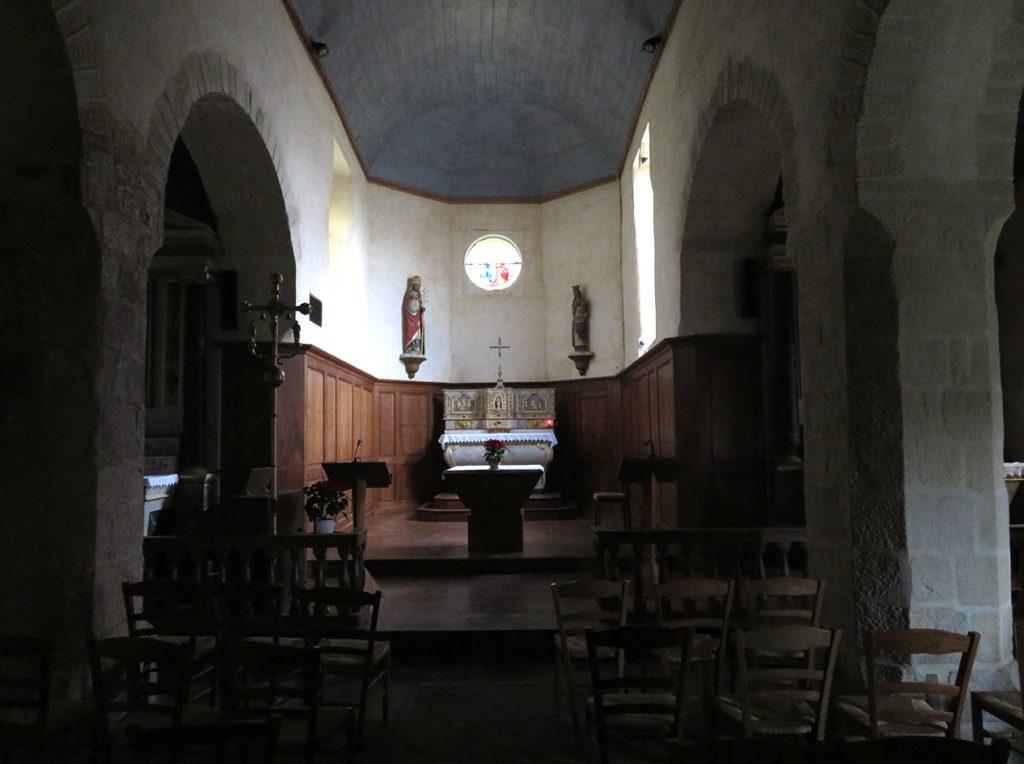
495 498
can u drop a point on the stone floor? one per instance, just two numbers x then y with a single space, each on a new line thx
487 698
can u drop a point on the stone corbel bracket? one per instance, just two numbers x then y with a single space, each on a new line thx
412 362
582 360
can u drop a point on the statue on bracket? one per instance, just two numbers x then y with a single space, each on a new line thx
581 352
413 344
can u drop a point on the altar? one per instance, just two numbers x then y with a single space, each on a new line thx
523 419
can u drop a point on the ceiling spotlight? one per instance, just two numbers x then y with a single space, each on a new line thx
321 49
651 44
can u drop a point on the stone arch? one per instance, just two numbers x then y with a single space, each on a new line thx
748 101
49 410
242 182
731 191
925 158
746 82
203 79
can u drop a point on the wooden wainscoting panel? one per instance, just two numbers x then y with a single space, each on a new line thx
314 429
345 439
414 425
666 412
330 417
386 424
369 448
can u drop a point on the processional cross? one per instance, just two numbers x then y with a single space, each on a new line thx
273 312
499 347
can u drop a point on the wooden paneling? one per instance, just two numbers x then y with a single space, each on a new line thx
408 425
315 416
588 427
330 419
386 423
344 419
695 398
699 399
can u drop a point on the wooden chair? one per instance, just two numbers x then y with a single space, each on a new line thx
136 680
897 708
582 605
342 625
704 605
782 699
246 741
748 750
264 679
642 699
29 719
782 600
246 610
1007 705
175 611
610 499
906 750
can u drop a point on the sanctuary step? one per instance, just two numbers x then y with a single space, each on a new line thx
542 505
431 584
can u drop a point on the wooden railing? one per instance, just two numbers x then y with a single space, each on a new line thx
290 560
659 555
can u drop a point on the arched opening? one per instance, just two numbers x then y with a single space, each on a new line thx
225 232
49 408
739 278
1009 296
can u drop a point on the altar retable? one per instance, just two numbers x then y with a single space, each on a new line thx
523 418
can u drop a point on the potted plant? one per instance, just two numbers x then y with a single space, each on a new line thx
325 500
494 450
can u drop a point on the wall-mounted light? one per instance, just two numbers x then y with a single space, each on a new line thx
651 44
320 48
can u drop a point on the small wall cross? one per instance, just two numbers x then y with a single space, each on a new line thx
499 347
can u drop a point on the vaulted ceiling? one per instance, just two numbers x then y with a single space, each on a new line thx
488 99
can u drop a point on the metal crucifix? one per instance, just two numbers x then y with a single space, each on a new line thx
499 347
272 312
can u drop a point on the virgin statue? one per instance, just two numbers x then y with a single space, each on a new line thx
412 318
580 320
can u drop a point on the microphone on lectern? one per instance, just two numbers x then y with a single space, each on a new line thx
355 456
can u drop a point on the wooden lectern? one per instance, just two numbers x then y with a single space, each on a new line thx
358 476
646 471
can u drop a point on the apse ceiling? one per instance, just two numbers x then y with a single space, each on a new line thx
488 99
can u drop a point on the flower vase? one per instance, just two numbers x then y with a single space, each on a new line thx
324 525
493 461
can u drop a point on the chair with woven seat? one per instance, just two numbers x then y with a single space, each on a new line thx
1005 705
136 680
782 599
642 699
246 610
234 741
582 605
789 699
30 720
175 611
342 625
704 605
265 679
901 708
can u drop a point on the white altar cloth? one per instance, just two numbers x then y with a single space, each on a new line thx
480 436
464 448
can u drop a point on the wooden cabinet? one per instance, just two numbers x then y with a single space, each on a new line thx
699 399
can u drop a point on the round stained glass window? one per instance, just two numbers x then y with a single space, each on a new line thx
493 262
